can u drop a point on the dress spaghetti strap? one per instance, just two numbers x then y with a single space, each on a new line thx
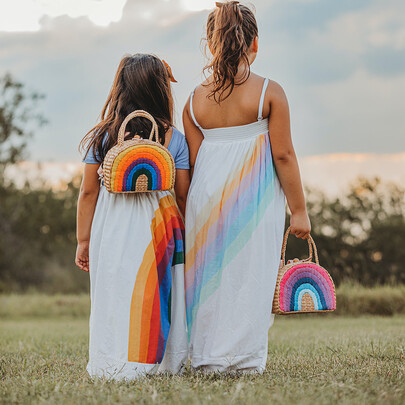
192 111
260 114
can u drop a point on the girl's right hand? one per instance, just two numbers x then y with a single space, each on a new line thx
82 256
300 225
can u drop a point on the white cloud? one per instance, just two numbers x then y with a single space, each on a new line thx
25 15
19 15
363 113
377 26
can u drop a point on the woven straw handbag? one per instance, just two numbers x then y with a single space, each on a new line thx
303 286
138 165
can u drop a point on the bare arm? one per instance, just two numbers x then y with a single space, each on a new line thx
181 187
285 161
194 136
85 211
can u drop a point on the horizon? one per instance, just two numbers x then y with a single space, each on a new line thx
316 171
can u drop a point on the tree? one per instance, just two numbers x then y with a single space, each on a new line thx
37 239
18 119
360 235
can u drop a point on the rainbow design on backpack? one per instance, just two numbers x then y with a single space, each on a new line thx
145 166
306 287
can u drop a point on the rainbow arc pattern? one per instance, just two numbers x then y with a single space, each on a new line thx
152 161
222 230
149 322
306 278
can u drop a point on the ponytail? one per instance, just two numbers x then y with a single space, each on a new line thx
231 29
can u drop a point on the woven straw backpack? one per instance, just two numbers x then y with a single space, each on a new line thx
138 165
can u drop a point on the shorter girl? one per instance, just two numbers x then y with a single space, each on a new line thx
133 245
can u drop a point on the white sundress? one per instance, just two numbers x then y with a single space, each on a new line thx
137 320
234 228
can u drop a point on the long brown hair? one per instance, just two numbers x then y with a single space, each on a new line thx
231 29
142 82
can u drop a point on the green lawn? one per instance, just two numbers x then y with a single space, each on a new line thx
312 360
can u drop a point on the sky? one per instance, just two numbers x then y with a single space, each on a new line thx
341 64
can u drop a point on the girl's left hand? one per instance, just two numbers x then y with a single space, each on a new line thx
82 256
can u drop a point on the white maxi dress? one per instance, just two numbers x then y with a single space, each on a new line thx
234 228
137 319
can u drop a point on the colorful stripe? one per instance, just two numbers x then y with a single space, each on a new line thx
152 161
222 231
149 322
309 278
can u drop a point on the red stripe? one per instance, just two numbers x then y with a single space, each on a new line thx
161 246
154 328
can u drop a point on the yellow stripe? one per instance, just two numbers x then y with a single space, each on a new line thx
213 213
147 306
148 263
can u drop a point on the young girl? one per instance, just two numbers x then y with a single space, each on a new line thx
238 131
133 244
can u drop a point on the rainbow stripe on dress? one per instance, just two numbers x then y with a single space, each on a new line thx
150 316
224 229
306 284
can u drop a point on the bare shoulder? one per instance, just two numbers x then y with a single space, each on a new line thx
203 89
197 90
276 92
186 108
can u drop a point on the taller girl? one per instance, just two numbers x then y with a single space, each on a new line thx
238 129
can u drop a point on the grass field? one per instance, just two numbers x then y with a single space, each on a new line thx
312 360
352 300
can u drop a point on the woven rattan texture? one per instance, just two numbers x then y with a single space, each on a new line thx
312 272
126 153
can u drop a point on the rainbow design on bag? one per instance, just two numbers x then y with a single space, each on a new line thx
142 167
138 165
150 313
309 286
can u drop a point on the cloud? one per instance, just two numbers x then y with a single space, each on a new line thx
298 18
324 41
339 62
100 12
385 61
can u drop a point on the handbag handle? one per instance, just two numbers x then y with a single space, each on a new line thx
134 114
311 246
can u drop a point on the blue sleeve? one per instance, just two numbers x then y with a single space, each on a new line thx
90 158
181 160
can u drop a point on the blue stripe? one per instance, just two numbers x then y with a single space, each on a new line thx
307 280
142 166
308 287
244 211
